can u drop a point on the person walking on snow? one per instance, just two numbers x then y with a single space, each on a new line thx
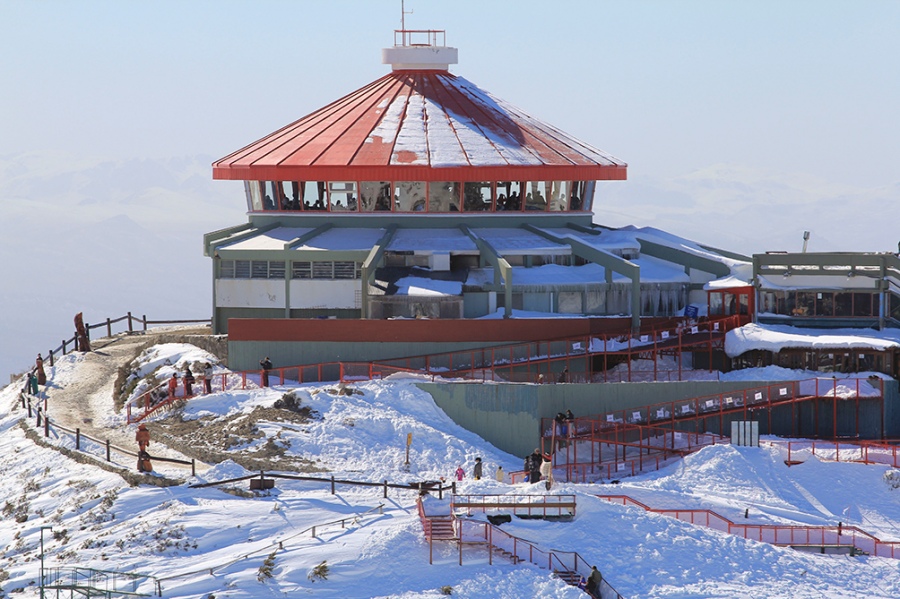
142 437
534 473
173 384
39 370
460 473
547 471
476 472
499 474
188 381
207 377
266 366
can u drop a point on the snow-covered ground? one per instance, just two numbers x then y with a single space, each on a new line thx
209 543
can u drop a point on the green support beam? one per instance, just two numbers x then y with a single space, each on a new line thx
609 261
370 265
502 268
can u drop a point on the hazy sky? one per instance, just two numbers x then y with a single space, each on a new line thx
668 86
743 123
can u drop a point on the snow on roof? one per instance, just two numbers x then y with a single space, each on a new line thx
432 240
421 286
607 240
800 281
548 274
417 118
343 239
654 270
514 241
774 338
268 240
739 268
729 282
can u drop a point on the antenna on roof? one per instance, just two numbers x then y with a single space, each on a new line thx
403 14
805 240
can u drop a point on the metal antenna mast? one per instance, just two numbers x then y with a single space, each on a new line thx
403 14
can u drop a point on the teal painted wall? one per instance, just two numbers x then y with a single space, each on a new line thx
508 415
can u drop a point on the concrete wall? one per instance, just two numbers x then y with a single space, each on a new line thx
508 415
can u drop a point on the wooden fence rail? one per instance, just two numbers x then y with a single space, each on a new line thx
68 345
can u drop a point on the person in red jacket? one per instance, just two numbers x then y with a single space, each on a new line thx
173 384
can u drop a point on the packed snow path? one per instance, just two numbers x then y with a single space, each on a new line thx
80 393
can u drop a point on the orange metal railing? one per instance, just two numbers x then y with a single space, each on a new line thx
776 534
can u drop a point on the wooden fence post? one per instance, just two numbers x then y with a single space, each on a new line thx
332 484
145 322
63 347
108 459
108 328
46 426
385 489
193 467
51 357
130 327
78 439
39 416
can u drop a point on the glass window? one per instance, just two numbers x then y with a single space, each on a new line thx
559 196
715 303
582 197
570 302
254 198
294 194
344 270
301 270
268 194
342 196
226 269
894 306
259 269
323 270
409 196
375 196
478 196
276 269
843 304
509 195
862 304
825 304
443 196
536 195
805 304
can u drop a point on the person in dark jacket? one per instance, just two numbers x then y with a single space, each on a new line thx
536 460
39 370
593 582
476 472
266 366
188 381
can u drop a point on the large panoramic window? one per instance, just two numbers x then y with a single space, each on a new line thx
342 196
478 196
418 196
536 196
375 196
409 196
443 196
509 196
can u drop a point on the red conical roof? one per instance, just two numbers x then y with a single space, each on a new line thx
414 126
